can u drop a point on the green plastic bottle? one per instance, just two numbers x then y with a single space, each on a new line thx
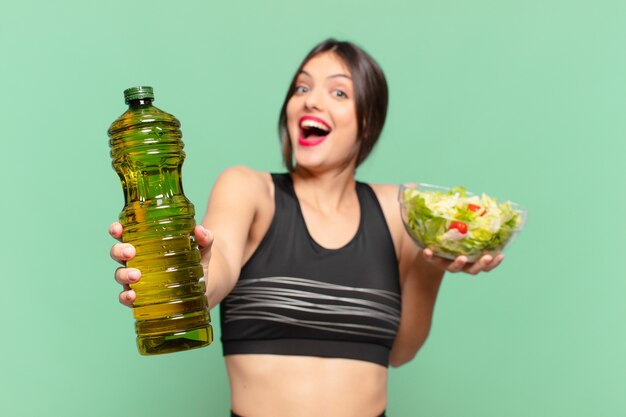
171 308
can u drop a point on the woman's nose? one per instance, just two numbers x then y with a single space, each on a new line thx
313 100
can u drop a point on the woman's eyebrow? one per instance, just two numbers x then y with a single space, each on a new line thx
340 76
303 72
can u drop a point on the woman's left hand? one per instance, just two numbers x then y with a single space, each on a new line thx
484 264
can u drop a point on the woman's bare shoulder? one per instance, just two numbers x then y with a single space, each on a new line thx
388 199
241 173
244 181
387 196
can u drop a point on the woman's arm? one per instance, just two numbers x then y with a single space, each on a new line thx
237 197
420 284
420 281
239 207
421 274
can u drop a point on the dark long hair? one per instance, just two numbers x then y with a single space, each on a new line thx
370 95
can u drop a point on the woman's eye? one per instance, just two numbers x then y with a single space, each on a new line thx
301 89
340 94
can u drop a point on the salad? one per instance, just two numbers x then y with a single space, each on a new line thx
453 222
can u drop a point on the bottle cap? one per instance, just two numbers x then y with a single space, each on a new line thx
138 93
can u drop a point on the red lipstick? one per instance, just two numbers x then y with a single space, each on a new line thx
313 130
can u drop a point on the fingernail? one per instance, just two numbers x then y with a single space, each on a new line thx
134 275
127 252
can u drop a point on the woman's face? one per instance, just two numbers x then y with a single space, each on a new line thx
321 115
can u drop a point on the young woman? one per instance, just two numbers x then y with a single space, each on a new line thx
321 289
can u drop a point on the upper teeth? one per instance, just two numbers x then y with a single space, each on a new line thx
313 123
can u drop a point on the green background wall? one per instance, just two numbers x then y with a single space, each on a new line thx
525 100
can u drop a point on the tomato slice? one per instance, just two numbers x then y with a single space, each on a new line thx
460 226
476 208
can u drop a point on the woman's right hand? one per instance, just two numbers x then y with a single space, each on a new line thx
122 252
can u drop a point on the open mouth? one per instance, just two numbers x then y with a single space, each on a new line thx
313 130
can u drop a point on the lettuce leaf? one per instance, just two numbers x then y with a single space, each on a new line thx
428 215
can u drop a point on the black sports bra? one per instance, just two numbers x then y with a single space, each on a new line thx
295 297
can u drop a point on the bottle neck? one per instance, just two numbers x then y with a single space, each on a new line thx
140 102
